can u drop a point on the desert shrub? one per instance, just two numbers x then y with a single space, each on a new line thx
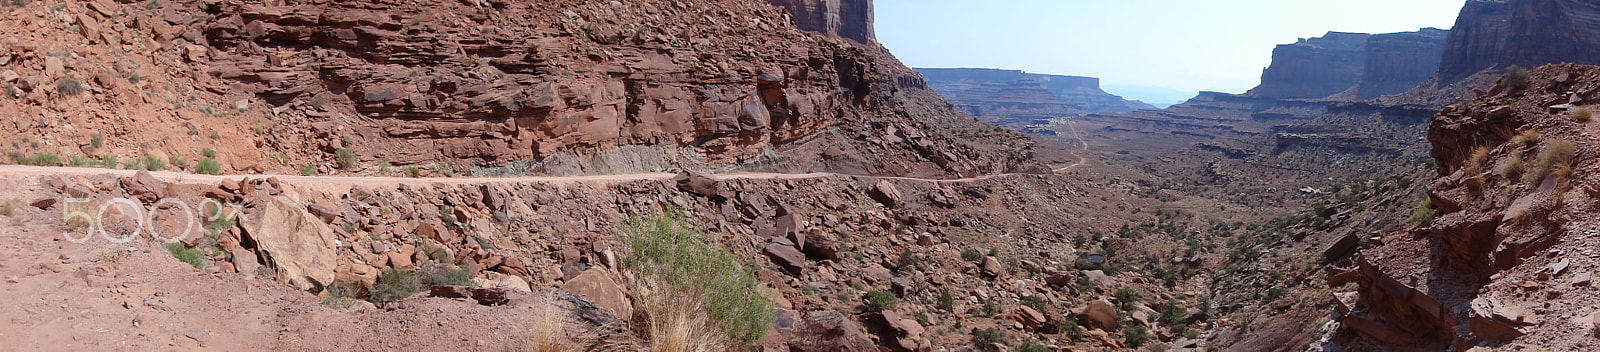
208 152
178 162
69 86
987 339
971 254
185 254
308 170
208 166
151 163
80 161
945 302
446 275
95 141
108 161
1071 328
1126 298
341 295
1035 302
413 172
1526 137
394 284
1423 212
1136 336
686 275
8 208
40 159
879 301
908 259
345 157
1582 114
1516 77
1031 346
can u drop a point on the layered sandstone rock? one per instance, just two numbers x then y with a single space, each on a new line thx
844 18
1476 40
1398 61
1314 67
1490 34
491 87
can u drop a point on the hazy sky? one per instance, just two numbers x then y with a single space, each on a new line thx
1186 45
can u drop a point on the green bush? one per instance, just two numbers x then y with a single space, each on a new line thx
80 161
108 161
413 172
185 254
667 248
1423 212
345 157
1126 298
178 162
208 166
208 152
1582 114
41 159
69 86
1516 77
1035 302
1136 336
946 302
1071 328
151 163
1031 346
971 255
446 275
987 339
880 301
308 170
394 284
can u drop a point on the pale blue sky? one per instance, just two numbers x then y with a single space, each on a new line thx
1186 45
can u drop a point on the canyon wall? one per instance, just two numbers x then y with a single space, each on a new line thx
1398 61
553 87
1476 40
1314 67
844 18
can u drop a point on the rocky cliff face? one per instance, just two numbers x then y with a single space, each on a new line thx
1476 40
1015 99
844 18
1506 259
1398 61
1315 67
500 87
1528 33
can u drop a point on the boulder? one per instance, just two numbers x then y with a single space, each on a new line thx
1030 318
907 333
992 267
489 296
144 187
599 286
886 193
1099 314
300 249
700 183
1100 280
822 244
786 256
326 214
830 331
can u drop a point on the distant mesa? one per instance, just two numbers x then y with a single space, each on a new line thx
1015 99
1352 65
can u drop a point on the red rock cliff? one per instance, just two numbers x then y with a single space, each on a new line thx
844 18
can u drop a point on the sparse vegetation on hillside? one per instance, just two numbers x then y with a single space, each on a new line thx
185 254
1516 77
208 166
1582 114
394 284
38 159
345 157
687 281
69 86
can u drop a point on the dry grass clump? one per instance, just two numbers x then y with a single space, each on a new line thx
549 330
1527 137
1556 155
1480 156
692 294
1510 167
1582 114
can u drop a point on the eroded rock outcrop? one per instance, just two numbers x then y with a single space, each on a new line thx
845 18
1314 67
1015 99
